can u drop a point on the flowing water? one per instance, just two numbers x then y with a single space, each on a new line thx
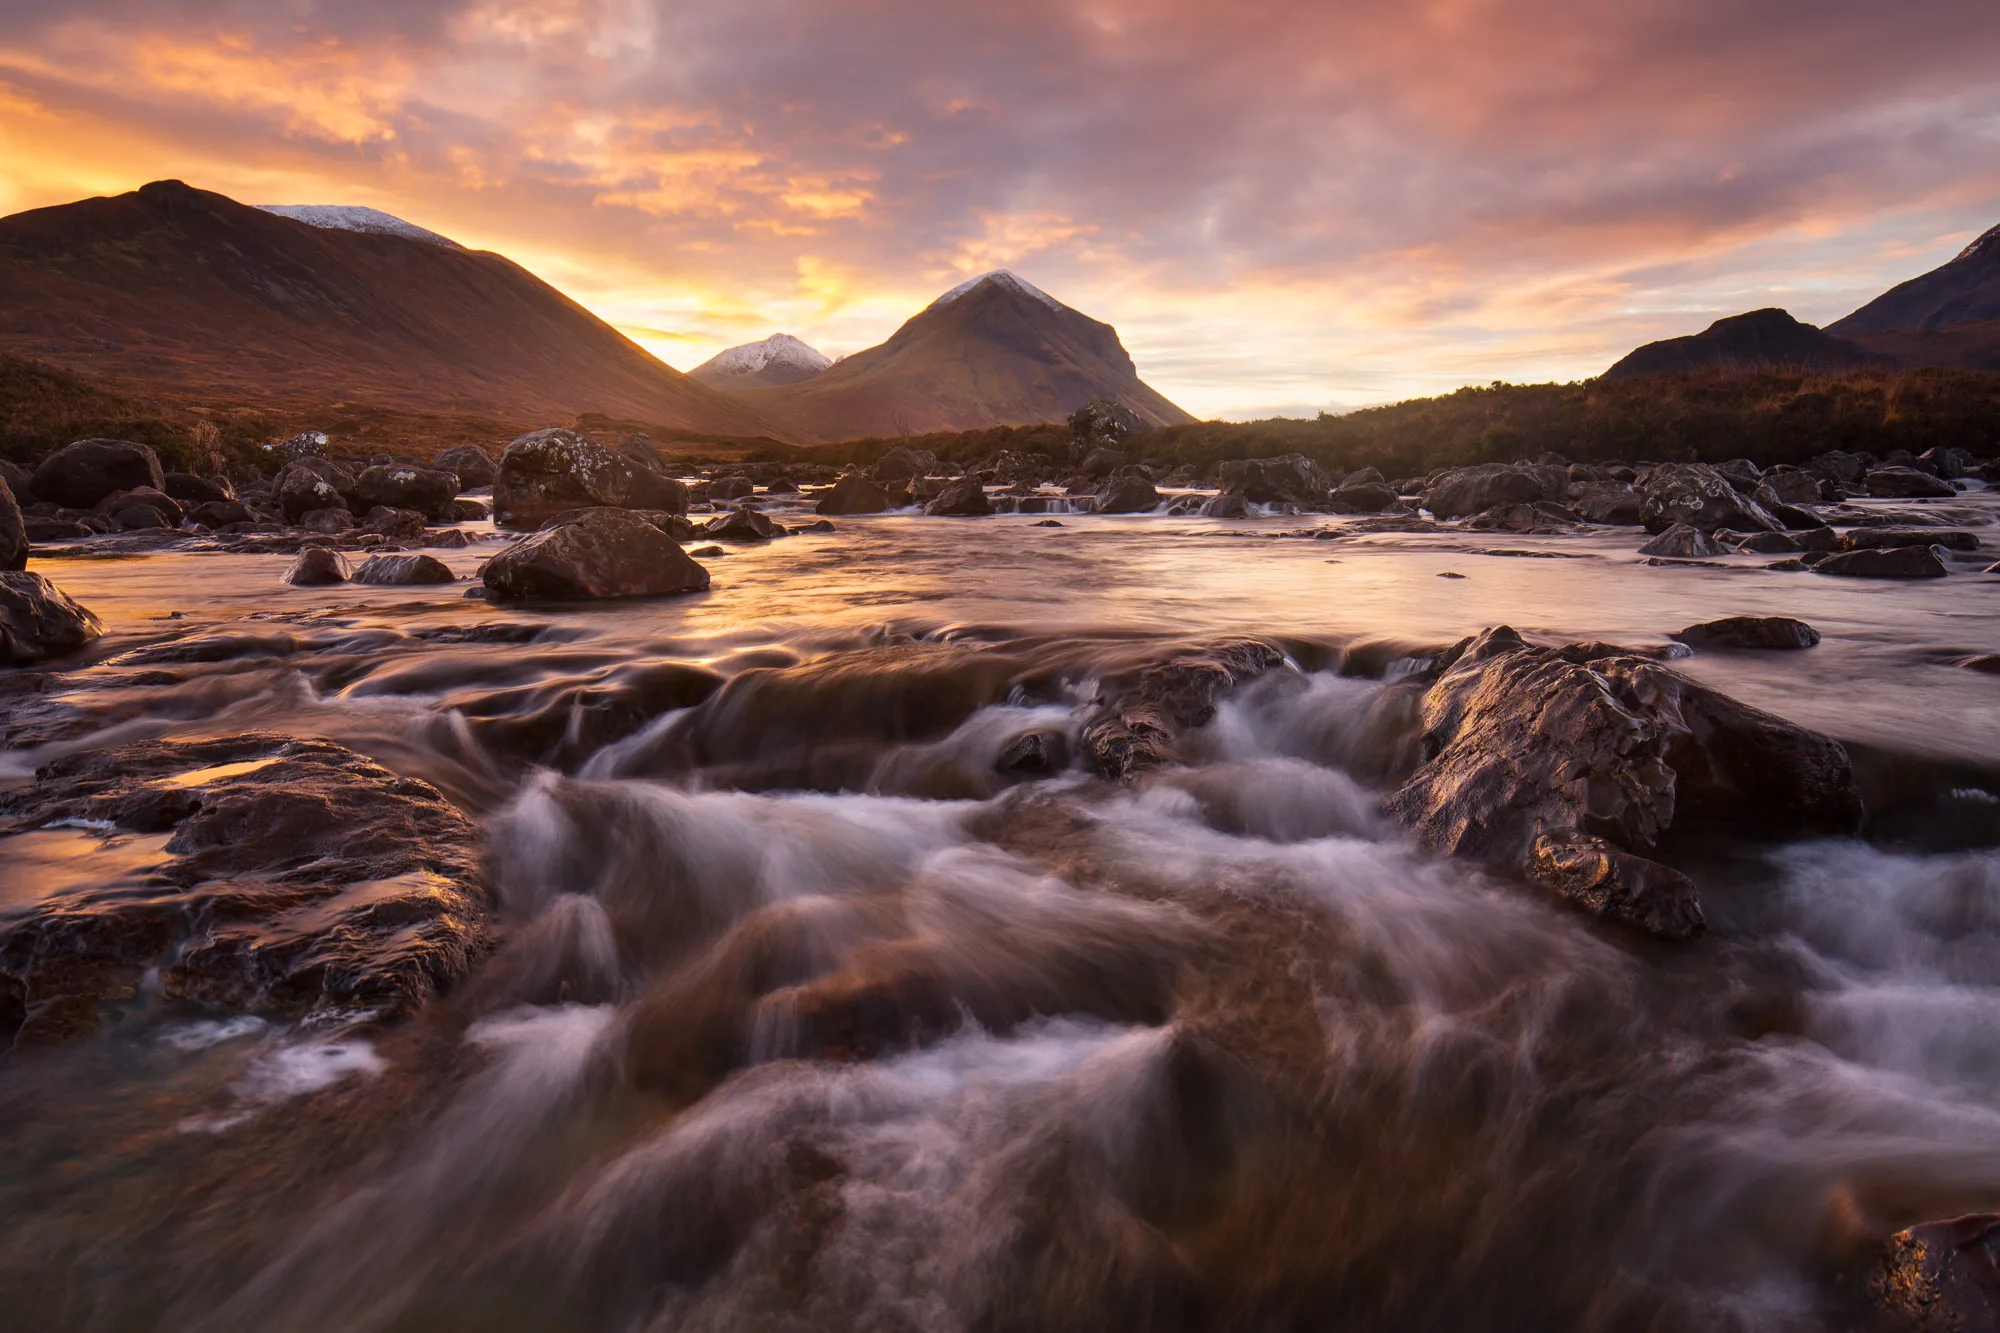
809 1013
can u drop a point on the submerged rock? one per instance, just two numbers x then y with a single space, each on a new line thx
1570 771
39 621
1901 562
80 474
1682 542
1750 632
404 570
1142 714
297 876
599 553
316 567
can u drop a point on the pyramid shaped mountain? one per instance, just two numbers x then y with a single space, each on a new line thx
778 359
1760 340
1949 316
197 295
995 351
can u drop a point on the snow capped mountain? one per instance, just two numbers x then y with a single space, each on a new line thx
999 277
352 217
778 359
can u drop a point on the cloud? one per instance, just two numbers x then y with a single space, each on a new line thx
1277 201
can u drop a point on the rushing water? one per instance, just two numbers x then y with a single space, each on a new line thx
805 1016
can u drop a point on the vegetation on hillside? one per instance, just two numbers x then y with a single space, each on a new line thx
43 408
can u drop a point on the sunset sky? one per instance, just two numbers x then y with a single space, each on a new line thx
1283 206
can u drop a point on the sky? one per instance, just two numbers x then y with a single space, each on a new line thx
1285 206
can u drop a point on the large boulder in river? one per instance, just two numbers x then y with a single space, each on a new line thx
1616 506
403 571
191 490
906 464
78 475
1780 632
1681 542
1101 423
1885 483
547 471
297 877
1699 496
741 525
472 465
38 620
1568 767
1901 562
963 498
599 553
1226 506
1937 1277
1130 491
13 531
1469 490
1141 714
405 486
1288 478
317 567
853 494
301 488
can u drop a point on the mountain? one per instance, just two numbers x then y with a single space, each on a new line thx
1964 291
352 217
1760 339
994 351
778 359
201 298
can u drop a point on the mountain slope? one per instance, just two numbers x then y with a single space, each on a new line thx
200 296
778 359
992 352
1760 340
1964 291
352 217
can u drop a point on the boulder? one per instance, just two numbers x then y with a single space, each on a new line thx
191 490
1292 478
964 498
19 480
1568 766
1888 539
466 509
1365 497
297 877
39 621
905 464
13 531
547 471
731 488
78 475
853 494
1226 506
1101 463
1741 473
427 491
1786 485
1526 518
1770 543
403 571
472 465
403 525
317 566
1885 483
1750 632
139 518
297 448
167 508
1938 1277
741 525
1129 492
1140 715
1101 423
219 513
1902 562
1616 506
1701 497
601 553
1458 492
330 522
300 489
1681 542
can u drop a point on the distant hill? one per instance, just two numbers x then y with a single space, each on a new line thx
196 296
1760 340
778 359
1964 291
995 351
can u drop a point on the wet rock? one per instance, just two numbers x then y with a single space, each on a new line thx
741 525
1459 492
452 539
731 488
1365 497
601 553
1141 715
1570 772
1700 497
853 494
44 530
404 570
1101 463
1541 517
221 513
1226 506
191 490
964 498
1794 518
317 566
1750 632
1041 753
297 876
1878 539
467 510
1789 486
1129 492
13 531
781 486
1770 543
140 518
547 471
1101 423
1904 483
905 464
1940 1277
403 525
328 521
1682 542
39 621
1902 562
80 474
1288 478
1615 506
427 491
472 465
299 490
143 497
19 480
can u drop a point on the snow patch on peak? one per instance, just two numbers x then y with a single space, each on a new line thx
1000 277
353 217
1990 239
780 349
